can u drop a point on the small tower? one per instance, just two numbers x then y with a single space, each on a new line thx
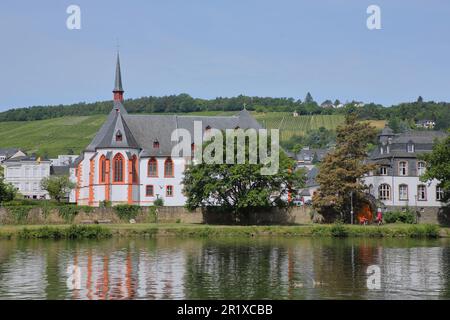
118 90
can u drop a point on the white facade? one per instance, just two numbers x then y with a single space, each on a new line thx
404 191
63 160
92 191
26 176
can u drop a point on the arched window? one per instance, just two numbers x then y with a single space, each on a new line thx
384 192
403 192
118 165
422 192
134 172
119 136
403 168
420 168
371 189
152 168
168 168
102 166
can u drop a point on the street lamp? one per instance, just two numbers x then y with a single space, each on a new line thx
351 207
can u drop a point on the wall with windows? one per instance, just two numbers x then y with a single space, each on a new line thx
156 176
406 191
26 176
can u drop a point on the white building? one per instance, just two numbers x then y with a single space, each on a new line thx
26 174
397 181
130 161
64 160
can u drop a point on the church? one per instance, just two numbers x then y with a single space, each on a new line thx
130 160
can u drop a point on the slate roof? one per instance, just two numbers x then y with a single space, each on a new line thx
8 152
308 154
398 146
141 131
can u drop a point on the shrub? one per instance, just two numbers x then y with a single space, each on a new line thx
105 204
159 202
68 213
126 211
19 213
73 232
399 216
339 230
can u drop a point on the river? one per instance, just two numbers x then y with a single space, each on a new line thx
225 268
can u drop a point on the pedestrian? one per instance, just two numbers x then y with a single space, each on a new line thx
379 216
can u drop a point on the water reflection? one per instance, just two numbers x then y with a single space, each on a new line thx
169 268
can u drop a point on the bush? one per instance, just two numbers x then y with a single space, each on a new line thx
19 213
68 213
159 202
126 211
339 230
400 216
73 232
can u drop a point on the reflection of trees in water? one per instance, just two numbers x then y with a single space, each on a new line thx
237 269
340 266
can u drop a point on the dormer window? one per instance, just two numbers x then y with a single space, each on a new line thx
156 144
410 147
118 136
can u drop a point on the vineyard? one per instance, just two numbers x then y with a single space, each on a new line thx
72 134
290 125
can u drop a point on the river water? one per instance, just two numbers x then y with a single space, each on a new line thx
255 268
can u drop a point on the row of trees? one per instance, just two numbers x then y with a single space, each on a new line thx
438 111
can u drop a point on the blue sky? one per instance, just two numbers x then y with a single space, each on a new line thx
210 48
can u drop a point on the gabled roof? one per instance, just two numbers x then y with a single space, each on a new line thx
141 131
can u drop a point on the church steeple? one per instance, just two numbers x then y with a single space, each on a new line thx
118 90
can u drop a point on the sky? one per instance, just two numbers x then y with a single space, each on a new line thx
211 48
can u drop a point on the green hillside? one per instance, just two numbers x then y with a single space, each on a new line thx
61 135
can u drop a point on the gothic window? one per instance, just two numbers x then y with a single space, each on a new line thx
118 168
152 168
134 172
168 168
102 169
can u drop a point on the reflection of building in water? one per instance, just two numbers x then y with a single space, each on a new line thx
30 282
125 274
412 271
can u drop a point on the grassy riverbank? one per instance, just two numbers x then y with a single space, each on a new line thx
199 230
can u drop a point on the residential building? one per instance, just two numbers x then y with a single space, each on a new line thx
396 182
26 174
426 124
130 158
7 153
64 160
308 158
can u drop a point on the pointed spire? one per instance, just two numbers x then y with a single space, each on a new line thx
118 90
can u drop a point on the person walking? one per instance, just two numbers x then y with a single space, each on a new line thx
379 216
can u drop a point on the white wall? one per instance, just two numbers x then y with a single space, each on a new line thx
412 183
26 176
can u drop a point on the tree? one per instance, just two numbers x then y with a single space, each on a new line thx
309 98
7 191
240 188
438 166
420 99
341 170
57 186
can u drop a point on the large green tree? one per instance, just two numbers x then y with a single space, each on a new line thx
240 188
438 166
7 191
57 186
341 171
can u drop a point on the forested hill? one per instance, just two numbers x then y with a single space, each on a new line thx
413 111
